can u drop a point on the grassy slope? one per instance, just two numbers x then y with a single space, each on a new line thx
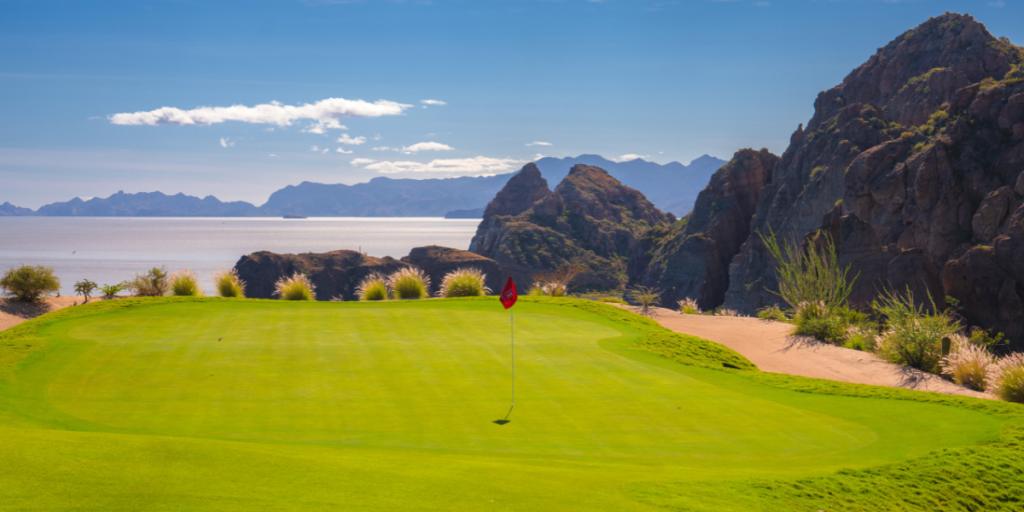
390 406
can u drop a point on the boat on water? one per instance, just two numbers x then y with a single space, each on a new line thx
294 216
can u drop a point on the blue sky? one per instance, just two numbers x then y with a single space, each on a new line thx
667 80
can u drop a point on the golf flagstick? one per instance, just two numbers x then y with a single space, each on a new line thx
508 299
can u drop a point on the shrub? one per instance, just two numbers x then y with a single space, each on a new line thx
537 290
810 276
85 288
913 335
409 283
556 284
153 283
832 325
110 290
613 300
555 289
373 287
646 299
689 306
464 282
296 287
861 338
726 312
28 284
967 363
772 313
1006 378
185 283
228 284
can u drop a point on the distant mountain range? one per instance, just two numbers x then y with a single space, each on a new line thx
672 187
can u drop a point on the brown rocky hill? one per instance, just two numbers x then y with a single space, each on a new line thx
914 166
337 274
691 259
590 220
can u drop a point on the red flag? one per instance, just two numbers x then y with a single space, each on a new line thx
509 295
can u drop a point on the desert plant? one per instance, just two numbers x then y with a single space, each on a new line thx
967 364
646 299
185 283
296 287
613 300
409 283
689 306
28 284
772 312
153 283
557 283
85 288
1006 378
726 312
373 287
537 290
110 290
862 337
555 289
464 282
809 276
913 334
228 284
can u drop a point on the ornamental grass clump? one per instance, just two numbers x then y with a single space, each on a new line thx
464 282
689 306
1006 378
29 284
409 283
373 287
185 283
913 334
967 364
228 284
772 312
153 283
296 287
646 299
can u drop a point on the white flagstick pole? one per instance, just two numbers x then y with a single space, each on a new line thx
512 338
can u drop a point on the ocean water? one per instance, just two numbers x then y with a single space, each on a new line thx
108 250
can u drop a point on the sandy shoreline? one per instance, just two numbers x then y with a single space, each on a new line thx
13 312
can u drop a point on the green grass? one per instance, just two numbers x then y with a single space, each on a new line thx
216 404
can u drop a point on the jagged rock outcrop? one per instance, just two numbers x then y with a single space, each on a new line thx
912 165
691 260
437 261
590 220
338 273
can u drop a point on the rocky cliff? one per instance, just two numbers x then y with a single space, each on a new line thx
338 273
691 259
912 165
590 220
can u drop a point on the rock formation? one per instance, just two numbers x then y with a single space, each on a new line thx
590 220
691 260
438 261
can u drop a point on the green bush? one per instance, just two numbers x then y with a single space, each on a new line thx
373 287
689 306
153 283
772 312
185 283
1006 378
537 291
913 334
29 284
967 364
832 325
811 276
464 282
228 284
296 287
110 290
85 288
409 283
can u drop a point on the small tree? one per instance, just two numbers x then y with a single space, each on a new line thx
809 276
85 288
110 290
29 284
151 284
646 299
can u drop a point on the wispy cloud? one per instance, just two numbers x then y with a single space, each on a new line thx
384 148
539 144
320 127
477 166
628 157
362 161
1000 3
426 146
345 139
433 102
342 151
324 112
225 143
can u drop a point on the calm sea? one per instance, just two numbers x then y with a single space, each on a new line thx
108 250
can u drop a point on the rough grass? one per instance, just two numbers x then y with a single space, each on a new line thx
464 282
373 287
409 283
689 306
185 283
968 364
1006 378
297 287
228 284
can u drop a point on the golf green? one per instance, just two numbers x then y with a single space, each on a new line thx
269 405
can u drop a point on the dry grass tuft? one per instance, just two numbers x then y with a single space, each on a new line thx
967 363
297 287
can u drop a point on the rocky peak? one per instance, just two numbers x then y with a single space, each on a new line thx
590 191
517 196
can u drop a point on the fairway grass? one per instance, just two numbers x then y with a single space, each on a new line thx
227 404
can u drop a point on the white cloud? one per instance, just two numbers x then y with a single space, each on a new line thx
539 144
324 152
342 151
321 126
433 102
345 139
325 112
1000 3
426 146
377 136
383 148
225 143
627 158
362 161
314 149
477 166
272 154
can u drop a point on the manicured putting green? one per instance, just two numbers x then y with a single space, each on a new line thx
250 405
